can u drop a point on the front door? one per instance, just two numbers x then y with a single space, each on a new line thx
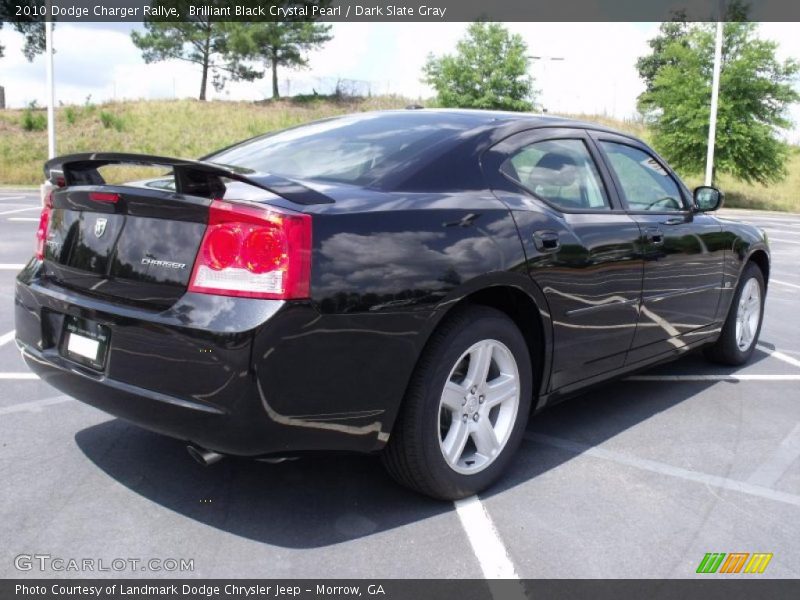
683 250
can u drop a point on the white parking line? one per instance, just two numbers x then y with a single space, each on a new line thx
18 210
780 355
11 267
484 539
23 219
778 461
664 469
35 406
6 337
751 216
773 239
730 377
18 376
786 283
770 230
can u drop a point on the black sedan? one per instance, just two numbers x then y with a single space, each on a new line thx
414 283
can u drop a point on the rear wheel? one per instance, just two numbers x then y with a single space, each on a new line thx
742 327
466 407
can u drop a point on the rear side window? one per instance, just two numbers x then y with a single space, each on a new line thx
645 183
560 172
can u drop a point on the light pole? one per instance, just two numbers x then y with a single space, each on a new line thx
51 95
712 123
545 60
45 188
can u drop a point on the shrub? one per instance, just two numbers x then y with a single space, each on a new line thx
71 115
111 121
33 121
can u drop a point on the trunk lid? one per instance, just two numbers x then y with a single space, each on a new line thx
138 249
137 243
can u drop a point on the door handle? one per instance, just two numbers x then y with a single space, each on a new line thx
546 241
654 235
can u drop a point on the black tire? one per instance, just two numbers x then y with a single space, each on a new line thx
726 350
413 455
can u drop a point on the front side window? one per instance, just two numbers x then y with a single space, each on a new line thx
645 183
561 172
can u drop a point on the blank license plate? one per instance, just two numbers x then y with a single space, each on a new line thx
85 342
83 346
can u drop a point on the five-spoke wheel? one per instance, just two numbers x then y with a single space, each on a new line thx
739 334
479 406
466 406
748 314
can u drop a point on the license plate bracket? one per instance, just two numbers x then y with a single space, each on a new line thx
85 342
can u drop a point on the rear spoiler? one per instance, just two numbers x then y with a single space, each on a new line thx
193 177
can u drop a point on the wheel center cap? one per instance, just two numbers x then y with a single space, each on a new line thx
471 406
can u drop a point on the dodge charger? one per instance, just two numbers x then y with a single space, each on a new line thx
414 283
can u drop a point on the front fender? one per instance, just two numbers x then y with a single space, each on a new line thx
747 242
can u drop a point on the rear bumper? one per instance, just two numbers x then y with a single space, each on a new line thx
235 375
201 423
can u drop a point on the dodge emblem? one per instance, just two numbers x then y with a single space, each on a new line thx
100 226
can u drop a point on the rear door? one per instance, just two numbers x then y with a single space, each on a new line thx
582 248
683 250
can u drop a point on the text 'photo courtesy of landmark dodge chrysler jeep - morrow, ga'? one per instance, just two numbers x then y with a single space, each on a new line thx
414 283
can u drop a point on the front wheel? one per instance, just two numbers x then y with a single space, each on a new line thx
739 335
466 407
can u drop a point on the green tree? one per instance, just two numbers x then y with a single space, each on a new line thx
489 70
279 44
756 90
200 40
32 30
669 33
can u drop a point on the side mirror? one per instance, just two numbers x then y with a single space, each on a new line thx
707 198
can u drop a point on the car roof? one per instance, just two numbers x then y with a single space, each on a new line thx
482 120
457 138
459 125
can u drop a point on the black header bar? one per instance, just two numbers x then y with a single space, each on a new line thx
400 10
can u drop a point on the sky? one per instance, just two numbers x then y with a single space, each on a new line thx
596 76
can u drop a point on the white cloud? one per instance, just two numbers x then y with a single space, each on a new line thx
597 74
382 58
102 63
788 48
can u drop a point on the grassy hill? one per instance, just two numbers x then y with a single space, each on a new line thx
183 128
189 128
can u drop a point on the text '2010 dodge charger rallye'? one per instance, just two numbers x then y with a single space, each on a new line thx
414 283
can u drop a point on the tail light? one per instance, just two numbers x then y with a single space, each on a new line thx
44 222
254 252
103 197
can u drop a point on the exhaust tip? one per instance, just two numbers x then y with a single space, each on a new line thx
203 456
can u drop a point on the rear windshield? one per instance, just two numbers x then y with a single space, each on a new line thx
344 150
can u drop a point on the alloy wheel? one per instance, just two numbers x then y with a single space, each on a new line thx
478 406
748 314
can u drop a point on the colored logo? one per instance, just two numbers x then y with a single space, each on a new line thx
735 562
